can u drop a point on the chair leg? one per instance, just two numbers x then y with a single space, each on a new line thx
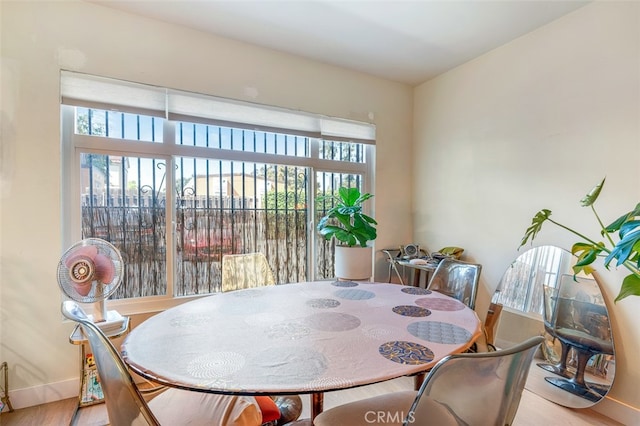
418 379
395 268
560 368
577 385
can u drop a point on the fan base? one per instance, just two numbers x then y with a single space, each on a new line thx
113 322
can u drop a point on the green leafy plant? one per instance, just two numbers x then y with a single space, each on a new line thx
345 221
626 250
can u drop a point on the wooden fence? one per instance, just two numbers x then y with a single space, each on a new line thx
203 236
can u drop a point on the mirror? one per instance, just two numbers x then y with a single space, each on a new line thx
539 295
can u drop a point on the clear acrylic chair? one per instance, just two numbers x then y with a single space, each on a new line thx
463 389
580 320
127 406
240 271
457 279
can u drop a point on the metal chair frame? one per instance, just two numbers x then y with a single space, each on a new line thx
471 388
457 279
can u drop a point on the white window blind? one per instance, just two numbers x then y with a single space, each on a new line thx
105 93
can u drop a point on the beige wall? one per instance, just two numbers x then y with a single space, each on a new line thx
38 39
536 124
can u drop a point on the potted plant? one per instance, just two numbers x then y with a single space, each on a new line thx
352 230
625 248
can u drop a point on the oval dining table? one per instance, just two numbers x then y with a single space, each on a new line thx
302 338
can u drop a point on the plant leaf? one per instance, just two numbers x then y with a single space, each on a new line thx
630 287
536 225
628 227
624 248
345 221
616 224
586 254
587 269
592 196
368 219
349 195
362 198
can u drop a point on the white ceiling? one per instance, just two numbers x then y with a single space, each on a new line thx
405 41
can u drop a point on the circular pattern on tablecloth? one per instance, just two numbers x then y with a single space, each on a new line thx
332 321
288 330
323 303
354 294
294 364
440 304
439 332
215 364
415 290
190 320
406 352
344 284
411 311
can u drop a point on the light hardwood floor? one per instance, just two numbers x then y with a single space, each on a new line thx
533 411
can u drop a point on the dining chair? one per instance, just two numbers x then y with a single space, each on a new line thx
579 319
471 389
127 406
248 270
457 279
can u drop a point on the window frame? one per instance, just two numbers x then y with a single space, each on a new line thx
73 145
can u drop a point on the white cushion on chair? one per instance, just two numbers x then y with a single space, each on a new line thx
390 409
180 407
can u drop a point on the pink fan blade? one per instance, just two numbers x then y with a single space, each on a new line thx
84 251
83 289
105 269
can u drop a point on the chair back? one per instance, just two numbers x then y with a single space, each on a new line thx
457 279
125 404
576 313
240 271
477 388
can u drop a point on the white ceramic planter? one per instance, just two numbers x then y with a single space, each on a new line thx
353 263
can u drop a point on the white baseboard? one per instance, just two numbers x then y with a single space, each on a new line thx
618 411
29 397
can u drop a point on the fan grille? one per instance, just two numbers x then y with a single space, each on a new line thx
78 268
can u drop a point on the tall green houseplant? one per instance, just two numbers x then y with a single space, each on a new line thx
625 248
346 222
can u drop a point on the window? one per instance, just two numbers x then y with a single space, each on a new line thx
522 285
177 188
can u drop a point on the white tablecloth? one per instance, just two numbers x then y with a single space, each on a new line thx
300 338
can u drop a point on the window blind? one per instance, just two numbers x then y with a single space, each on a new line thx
91 91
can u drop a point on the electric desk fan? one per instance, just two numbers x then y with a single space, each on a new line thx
89 272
